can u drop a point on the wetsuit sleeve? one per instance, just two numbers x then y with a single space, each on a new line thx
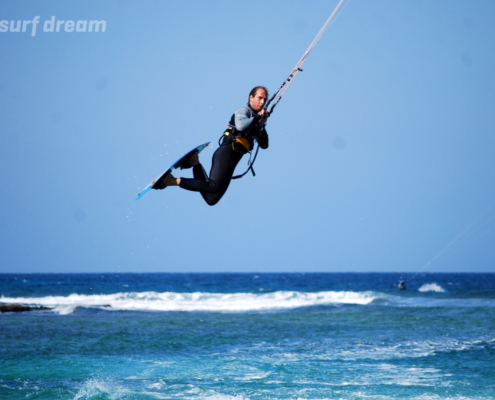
263 138
243 118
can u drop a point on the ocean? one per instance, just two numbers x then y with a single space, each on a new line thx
226 336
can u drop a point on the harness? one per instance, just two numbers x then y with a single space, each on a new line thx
241 143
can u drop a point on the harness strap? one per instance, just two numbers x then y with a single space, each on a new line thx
250 165
230 131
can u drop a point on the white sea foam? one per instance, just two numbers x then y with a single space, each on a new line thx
97 388
219 396
198 301
431 287
388 374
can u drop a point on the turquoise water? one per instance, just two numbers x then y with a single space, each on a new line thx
248 336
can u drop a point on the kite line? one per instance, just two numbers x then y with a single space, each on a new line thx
285 85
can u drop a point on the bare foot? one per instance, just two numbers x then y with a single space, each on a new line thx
169 180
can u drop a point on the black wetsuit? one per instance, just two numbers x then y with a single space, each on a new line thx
225 159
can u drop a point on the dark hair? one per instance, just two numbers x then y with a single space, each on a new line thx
255 89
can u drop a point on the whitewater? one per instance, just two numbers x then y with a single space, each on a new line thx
197 301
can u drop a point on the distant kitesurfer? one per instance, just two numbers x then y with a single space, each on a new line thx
402 283
246 125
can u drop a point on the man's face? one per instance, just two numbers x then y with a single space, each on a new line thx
258 100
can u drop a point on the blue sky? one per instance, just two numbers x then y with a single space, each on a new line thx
381 152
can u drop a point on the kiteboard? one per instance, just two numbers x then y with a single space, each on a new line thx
181 163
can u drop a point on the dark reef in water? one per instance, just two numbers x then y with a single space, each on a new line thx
20 308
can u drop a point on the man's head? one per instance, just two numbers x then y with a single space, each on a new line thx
257 98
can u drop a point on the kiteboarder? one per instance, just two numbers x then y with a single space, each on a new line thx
246 126
402 283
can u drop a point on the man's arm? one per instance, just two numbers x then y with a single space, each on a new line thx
243 118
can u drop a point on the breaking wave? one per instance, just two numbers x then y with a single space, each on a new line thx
198 301
431 287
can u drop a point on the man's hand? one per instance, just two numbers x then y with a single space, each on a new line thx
264 114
